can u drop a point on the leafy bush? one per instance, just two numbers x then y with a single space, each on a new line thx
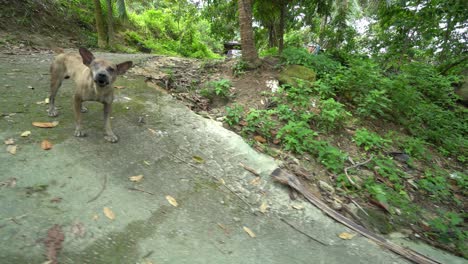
239 68
261 122
435 183
220 88
234 114
322 64
369 140
332 114
331 157
297 136
448 228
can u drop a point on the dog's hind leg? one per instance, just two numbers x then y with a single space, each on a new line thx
57 74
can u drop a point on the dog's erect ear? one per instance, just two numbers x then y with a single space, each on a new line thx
87 56
123 67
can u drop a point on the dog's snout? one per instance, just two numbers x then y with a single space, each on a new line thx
101 78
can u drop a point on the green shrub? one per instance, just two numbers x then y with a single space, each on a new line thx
369 140
297 136
234 114
332 114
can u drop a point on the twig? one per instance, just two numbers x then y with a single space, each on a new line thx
15 218
302 232
104 184
358 206
354 166
214 177
140 190
249 169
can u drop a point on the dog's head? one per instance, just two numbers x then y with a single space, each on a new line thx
104 72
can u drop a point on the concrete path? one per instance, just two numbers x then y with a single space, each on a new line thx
179 154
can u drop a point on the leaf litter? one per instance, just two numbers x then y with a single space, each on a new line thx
53 243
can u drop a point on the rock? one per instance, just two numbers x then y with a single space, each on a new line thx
291 72
326 187
337 204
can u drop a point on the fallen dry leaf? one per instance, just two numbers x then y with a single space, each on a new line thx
221 180
10 182
136 178
172 201
11 149
298 206
45 124
108 213
46 145
255 181
9 141
260 139
152 131
119 87
26 133
250 232
263 207
56 200
53 243
198 159
346 235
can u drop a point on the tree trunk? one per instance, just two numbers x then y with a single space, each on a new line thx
99 24
249 53
281 27
110 24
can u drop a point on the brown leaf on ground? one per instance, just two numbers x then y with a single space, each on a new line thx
10 182
11 149
108 213
26 133
53 243
119 87
172 201
260 139
9 141
46 145
136 178
346 236
264 207
249 232
56 200
45 124
256 181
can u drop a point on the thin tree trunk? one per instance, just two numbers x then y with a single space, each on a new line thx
99 24
110 24
281 27
249 53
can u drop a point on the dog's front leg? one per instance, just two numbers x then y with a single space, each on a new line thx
77 101
110 136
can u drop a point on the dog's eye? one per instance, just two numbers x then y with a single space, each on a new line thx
110 69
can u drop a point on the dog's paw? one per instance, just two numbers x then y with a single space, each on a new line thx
111 138
84 109
52 112
79 133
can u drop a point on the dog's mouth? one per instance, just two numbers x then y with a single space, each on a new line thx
101 83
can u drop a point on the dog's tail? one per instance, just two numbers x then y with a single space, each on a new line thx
58 50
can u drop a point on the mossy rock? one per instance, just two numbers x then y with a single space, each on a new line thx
291 73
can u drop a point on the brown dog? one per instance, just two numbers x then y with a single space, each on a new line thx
93 78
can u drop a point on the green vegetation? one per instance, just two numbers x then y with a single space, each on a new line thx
220 88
